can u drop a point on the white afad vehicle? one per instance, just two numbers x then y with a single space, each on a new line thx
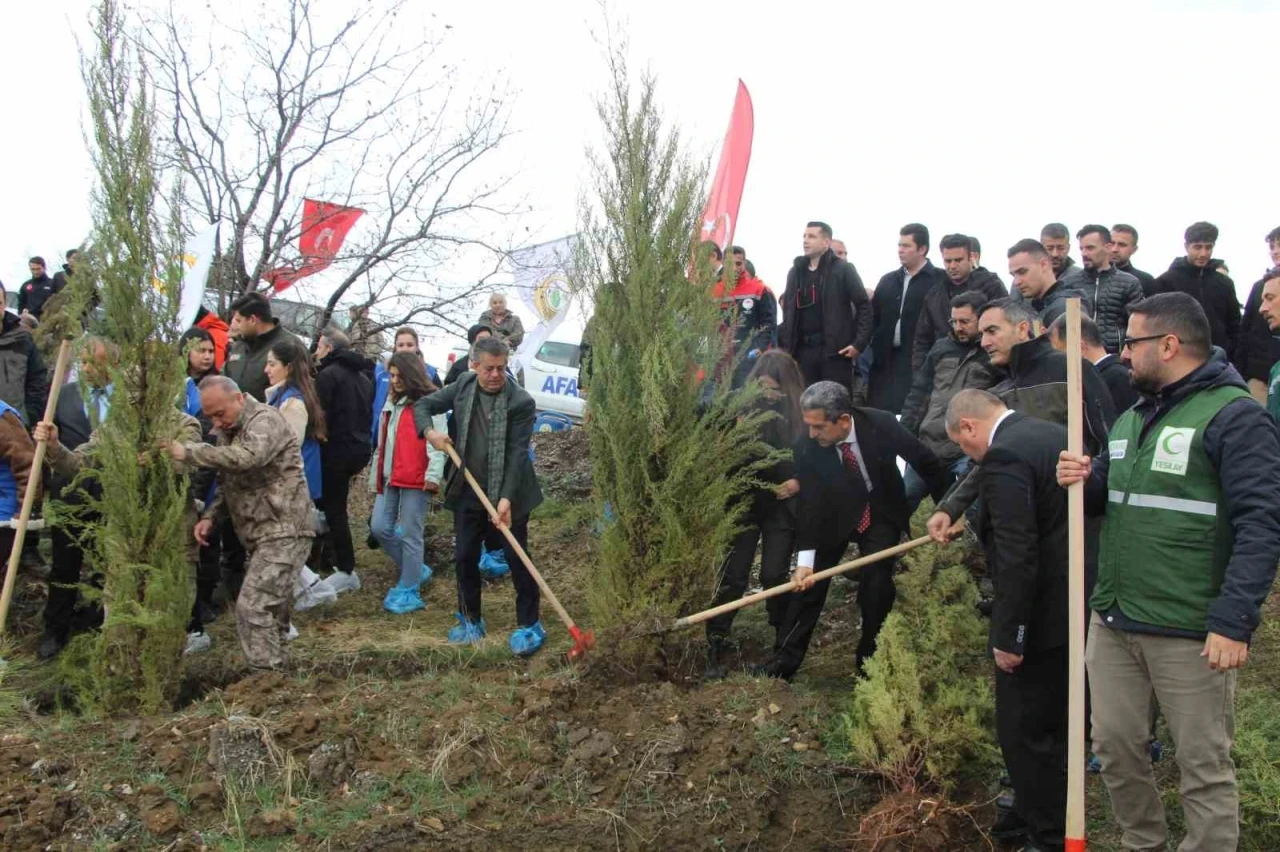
551 375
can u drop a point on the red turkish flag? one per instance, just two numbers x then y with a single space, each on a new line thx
721 215
324 227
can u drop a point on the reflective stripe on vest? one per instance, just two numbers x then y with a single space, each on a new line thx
1173 504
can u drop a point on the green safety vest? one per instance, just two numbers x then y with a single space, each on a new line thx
1165 542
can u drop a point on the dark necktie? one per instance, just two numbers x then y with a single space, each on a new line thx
851 463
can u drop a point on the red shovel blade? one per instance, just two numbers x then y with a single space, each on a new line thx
583 641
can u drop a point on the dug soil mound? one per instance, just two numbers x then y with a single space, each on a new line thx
381 736
497 760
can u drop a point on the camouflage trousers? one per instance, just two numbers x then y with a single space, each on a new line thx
262 609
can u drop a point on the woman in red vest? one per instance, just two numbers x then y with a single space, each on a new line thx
405 474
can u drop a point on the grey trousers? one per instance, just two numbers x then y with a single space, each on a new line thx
1127 671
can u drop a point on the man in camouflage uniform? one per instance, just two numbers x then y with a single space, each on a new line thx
261 487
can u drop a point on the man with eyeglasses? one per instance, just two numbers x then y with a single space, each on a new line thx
1190 539
826 320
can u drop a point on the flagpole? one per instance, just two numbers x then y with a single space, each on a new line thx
1075 824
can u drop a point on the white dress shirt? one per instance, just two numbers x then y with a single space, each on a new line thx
897 328
806 557
996 426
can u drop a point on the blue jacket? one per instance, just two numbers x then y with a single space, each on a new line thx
310 446
8 485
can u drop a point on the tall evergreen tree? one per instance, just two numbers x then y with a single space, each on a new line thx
670 447
137 533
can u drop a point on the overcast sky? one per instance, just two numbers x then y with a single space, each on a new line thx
988 118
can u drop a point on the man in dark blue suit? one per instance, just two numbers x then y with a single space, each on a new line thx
850 492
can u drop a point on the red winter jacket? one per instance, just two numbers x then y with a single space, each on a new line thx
217 329
408 453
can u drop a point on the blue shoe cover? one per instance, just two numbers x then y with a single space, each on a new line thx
426 574
493 564
401 601
527 640
467 632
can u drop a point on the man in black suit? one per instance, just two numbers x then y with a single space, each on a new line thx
1114 371
898 300
1023 529
850 491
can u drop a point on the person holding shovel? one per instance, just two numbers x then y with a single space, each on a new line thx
494 420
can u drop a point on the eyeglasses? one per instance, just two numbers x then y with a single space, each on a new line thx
1128 342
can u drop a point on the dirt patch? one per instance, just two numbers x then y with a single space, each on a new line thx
562 463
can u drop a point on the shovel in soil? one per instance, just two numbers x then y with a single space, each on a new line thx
583 640
698 618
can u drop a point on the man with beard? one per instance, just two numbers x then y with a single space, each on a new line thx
1124 244
898 302
827 319
1111 291
1269 307
750 315
935 315
1057 244
1258 348
1200 276
1190 539
955 363
1031 267
1036 385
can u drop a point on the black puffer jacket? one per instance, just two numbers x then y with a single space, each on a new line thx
1146 279
846 310
949 368
1053 303
1113 293
934 323
1215 292
1037 386
344 386
1256 349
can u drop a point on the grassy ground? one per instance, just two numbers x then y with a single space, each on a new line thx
382 736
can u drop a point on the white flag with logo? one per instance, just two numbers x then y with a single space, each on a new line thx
197 259
541 275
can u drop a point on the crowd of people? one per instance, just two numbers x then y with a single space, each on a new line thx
1180 396
941 367
274 436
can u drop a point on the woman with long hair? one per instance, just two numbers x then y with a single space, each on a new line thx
292 390
771 511
405 474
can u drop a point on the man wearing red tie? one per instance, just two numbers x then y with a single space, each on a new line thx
850 492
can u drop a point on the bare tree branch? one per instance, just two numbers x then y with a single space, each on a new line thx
352 109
